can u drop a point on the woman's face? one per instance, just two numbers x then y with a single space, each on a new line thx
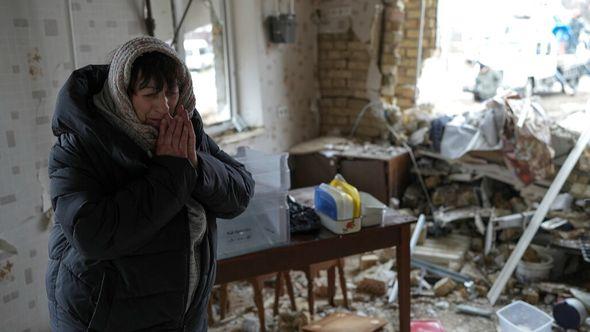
150 105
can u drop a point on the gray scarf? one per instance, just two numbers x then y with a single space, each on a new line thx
114 102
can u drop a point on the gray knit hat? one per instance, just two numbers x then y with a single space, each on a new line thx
115 102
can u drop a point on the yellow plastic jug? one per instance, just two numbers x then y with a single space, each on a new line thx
340 183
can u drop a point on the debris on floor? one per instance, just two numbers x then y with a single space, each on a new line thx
480 183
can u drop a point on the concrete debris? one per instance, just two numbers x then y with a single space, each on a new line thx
531 296
367 261
293 321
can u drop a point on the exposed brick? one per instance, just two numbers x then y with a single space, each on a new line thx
412 33
412 24
407 91
336 55
356 46
394 14
359 55
340 45
388 59
412 13
339 83
356 85
358 65
339 74
411 53
325 44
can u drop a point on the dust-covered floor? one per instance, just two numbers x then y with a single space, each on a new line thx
242 315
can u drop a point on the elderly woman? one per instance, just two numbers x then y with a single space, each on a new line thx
136 186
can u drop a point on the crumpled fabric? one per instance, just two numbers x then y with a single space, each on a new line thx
528 148
474 131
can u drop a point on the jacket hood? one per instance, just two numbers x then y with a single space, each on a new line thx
74 110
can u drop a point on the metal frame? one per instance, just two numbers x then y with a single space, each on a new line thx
229 66
230 86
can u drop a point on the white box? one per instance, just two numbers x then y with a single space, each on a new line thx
340 226
520 316
270 171
264 224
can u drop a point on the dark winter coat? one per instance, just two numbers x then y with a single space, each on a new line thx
119 247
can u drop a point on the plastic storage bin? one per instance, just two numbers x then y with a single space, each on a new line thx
520 316
265 222
270 171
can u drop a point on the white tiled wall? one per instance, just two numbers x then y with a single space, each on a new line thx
35 60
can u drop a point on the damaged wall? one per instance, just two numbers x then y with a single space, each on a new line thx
36 58
407 76
368 52
277 85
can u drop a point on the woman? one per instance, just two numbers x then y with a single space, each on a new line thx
136 186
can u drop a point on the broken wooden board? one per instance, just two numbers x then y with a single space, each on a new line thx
443 251
343 322
445 217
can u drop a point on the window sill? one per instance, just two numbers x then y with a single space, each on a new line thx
231 136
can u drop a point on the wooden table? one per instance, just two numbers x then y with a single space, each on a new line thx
304 250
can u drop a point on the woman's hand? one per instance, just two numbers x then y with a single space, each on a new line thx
192 139
177 137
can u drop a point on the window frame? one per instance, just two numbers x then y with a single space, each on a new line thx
230 81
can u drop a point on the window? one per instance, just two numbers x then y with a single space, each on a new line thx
204 42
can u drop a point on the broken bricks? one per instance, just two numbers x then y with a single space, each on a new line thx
372 286
444 286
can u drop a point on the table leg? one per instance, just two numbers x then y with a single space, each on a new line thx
257 285
343 281
331 285
289 284
403 277
309 276
223 304
278 290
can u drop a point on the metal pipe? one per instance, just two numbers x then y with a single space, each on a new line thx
181 22
420 37
72 37
150 23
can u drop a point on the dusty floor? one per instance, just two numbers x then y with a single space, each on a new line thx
242 314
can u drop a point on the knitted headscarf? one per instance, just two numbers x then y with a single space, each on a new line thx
114 102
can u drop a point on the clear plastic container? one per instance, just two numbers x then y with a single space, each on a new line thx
520 316
264 224
270 171
373 210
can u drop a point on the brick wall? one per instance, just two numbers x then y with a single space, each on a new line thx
343 70
408 49
344 62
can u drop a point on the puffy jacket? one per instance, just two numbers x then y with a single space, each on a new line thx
119 247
